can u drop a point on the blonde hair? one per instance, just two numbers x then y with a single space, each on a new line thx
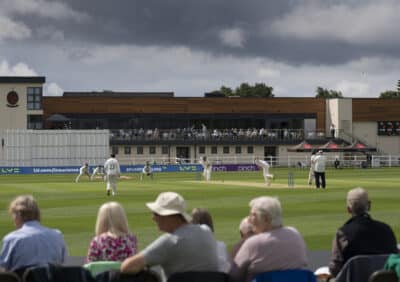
111 218
25 207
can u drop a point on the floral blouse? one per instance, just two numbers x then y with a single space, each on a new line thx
106 247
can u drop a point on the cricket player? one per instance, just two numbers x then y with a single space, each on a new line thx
311 175
112 172
207 168
265 167
84 170
147 170
97 171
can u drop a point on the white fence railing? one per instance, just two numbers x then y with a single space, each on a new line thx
355 161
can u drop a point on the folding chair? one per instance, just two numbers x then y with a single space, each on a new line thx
360 268
8 276
291 275
199 276
57 273
383 276
117 276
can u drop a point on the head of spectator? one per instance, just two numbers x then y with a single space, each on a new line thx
245 228
265 214
169 211
202 216
111 218
23 209
358 202
113 240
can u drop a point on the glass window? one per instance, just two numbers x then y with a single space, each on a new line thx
164 150
202 150
250 150
139 150
225 150
127 150
34 98
35 122
238 150
214 150
114 150
152 150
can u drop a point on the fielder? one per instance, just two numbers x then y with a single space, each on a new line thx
207 168
112 172
84 170
97 171
265 167
147 170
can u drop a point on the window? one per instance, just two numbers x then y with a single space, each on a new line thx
214 150
250 150
127 150
238 150
225 149
139 150
34 98
152 150
164 150
202 150
35 122
114 150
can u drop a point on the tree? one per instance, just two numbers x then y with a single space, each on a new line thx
388 94
247 90
325 93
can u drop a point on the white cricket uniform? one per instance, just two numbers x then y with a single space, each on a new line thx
147 170
112 172
84 170
311 172
207 169
96 171
265 167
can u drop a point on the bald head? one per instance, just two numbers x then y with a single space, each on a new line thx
358 201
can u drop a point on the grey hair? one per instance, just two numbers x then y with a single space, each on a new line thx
358 201
268 208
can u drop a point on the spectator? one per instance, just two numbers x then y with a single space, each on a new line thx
360 235
183 247
246 231
31 244
203 217
113 240
273 247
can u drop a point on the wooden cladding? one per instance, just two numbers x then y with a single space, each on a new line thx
374 109
185 105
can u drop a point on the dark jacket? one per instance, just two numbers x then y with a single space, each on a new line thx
361 235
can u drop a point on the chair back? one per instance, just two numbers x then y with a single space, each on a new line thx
360 268
8 276
199 276
57 273
383 276
117 276
291 275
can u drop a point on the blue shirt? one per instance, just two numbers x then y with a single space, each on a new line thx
32 244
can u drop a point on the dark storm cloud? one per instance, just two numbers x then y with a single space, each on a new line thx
198 25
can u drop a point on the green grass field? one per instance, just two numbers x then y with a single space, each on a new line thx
317 214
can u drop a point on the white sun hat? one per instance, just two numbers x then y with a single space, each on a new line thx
169 203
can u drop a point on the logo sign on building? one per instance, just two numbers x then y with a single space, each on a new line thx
12 99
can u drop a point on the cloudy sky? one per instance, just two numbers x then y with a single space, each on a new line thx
196 46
